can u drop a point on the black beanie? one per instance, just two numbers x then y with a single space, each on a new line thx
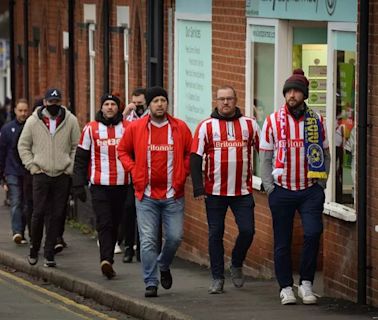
153 92
108 96
297 81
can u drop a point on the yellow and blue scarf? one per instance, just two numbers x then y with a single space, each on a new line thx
313 143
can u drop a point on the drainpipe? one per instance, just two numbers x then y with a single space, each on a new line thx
362 148
26 49
12 51
106 44
71 54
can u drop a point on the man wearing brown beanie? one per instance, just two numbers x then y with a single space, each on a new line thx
156 150
295 163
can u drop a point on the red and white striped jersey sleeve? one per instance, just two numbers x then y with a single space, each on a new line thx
86 138
266 138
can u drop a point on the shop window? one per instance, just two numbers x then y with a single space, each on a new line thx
262 47
345 132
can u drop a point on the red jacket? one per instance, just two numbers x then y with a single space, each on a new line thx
132 152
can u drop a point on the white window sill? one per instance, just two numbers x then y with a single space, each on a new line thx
340 211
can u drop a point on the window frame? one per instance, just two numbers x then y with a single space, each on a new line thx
331 207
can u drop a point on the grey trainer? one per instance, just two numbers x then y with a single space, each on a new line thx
216 286
237 276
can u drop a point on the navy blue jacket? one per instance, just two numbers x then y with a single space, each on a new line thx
10 164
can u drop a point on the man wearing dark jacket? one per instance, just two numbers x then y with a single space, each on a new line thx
97 151
12 171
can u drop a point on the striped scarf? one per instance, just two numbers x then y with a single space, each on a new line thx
313 142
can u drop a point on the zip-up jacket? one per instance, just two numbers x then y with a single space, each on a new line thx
9 164
52 154
132 151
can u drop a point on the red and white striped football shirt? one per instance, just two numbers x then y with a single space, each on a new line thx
294 176
228 148
102 141
160 161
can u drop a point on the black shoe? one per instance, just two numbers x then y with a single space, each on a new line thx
151 292
166 279
58 248
49 263
128 257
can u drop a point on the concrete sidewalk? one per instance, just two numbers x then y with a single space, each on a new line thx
78 270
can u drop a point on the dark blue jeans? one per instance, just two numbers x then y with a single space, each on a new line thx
283 205
243 209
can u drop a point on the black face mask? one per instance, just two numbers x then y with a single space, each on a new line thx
53 109
139 109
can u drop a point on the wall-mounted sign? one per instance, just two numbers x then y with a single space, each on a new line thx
317 71
194 71
318 84
263 34
319 10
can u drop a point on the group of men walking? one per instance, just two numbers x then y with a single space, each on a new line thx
144 154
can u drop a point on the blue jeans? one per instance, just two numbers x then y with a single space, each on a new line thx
16 198
243 209
283 205
150 213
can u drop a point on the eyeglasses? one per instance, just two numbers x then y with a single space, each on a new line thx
223 99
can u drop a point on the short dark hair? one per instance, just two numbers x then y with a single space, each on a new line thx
139 91
226 86
21 100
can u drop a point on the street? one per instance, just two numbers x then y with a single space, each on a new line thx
22 295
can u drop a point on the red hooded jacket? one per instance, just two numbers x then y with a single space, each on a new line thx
132 152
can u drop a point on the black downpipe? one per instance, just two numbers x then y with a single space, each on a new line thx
71 55
362 147
106 45
12 52
155 42
26 49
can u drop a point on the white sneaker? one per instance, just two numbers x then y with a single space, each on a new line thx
287 296
305 292
117 249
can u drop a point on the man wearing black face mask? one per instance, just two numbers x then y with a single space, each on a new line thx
47 147
137 108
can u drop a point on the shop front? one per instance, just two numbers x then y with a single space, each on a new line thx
319 37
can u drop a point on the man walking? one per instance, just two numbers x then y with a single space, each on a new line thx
97 151
294 168
156 150
47 149
135 110
227 139
13 172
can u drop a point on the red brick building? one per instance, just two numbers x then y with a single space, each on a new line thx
191 49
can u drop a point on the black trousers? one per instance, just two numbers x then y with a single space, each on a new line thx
108 203
49 204
128 229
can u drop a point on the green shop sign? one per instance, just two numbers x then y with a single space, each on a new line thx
318 10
